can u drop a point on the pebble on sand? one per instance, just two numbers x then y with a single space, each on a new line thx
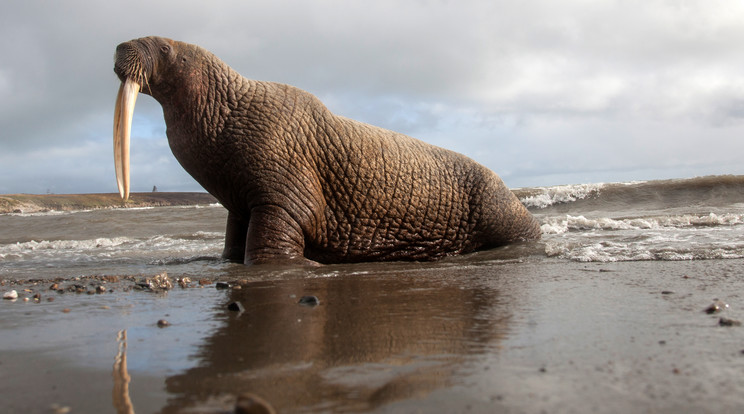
11 295
59 409
162 281
716 307
252 404
236 307
156 283
163 323
309 301
728 322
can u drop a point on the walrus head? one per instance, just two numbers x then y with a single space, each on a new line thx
140 64
133 64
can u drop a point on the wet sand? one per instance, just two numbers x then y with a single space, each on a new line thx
474 334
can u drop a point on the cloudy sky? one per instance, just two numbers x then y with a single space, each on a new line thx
543 92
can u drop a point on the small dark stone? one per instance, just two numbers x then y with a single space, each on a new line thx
252 404
667 292
37 296
163 323
309 301
54 286
236 307
728 322
50 299
143 284
222 285
716 306
100 289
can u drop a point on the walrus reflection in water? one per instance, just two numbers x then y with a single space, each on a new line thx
374 340
301 184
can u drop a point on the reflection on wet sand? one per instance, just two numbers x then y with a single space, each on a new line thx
372 340
120 394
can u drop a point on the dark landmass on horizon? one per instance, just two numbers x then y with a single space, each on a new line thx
33 203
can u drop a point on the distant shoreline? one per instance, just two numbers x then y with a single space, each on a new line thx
34 203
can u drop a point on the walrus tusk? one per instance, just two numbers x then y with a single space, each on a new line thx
123 112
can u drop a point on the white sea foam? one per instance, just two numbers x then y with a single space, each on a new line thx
199 206
643 251
559 225
46 213
201 242
34 245
549 196
684 237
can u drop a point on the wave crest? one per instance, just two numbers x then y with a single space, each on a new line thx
543 197
560 225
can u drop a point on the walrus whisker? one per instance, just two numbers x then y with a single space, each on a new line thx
147 84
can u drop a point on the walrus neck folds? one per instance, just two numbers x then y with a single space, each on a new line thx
204 106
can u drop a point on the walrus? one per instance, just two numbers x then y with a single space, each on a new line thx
301 184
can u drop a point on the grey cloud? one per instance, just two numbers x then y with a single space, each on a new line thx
532 88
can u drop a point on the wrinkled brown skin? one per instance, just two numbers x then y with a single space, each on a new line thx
303 185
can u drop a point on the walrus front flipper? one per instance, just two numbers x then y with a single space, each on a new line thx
273 237
236 232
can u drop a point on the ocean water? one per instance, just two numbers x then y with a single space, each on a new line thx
671 220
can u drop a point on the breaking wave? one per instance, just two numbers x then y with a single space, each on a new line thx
559 225
711 191
108 248
695 219
542 197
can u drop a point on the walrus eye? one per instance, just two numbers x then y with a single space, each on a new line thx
165 49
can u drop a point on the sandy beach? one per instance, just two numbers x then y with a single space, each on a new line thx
33 203
478 334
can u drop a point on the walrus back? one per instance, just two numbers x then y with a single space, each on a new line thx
365 193
391 196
